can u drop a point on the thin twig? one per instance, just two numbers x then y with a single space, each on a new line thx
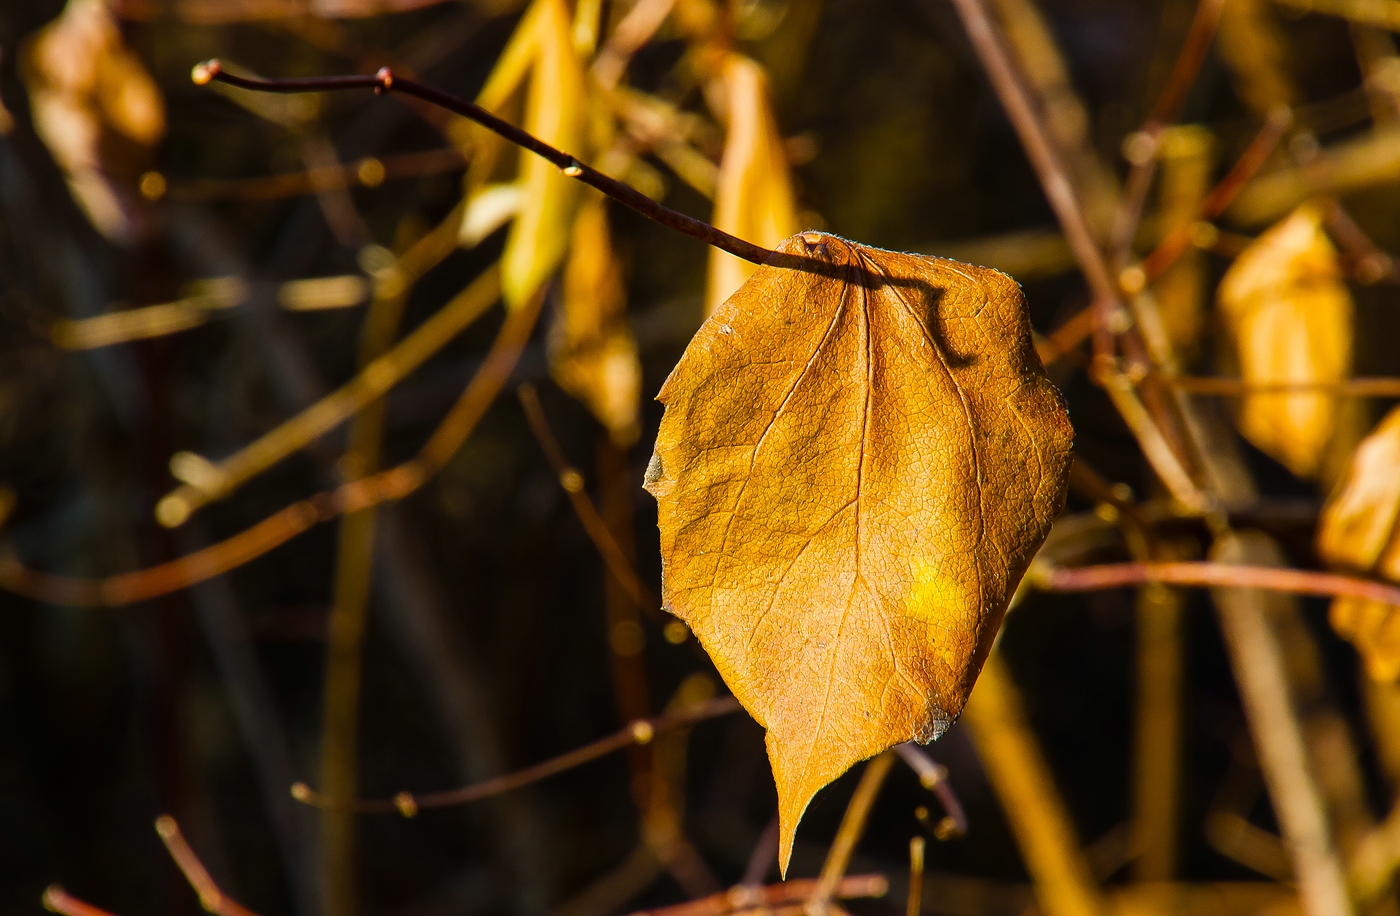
210 897
572 481
640 731
914 904
367 173
277 529
744 898
848 834
386 81
1221 196
934 777
1204 574
1230 387
1053 175
57 900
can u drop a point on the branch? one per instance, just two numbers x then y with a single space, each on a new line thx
57 900
848 834
385 81
210 897
640 731
743 898
1207 574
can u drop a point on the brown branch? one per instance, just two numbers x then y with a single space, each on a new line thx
386 81
1054 177
914 904
57 900
277 529
640 731
572 481
933 776
210 897
849 833
742 897
1207 574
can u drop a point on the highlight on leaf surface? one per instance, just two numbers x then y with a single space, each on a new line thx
96 109
1289 317
857 462
1357 531
753 196
592 353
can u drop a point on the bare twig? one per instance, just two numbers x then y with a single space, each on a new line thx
366 173
848 834
639 732
210 897
744 898
277 529
57 900
934 777
572 482
1203 574
914 904
386 81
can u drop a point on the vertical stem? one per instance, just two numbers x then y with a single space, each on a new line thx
916 877
1259 671
1064 885
838 858
1157 751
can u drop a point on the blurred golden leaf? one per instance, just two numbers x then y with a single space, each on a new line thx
753 196
86 90
1357 531
854 469
592 353
555 112
1290 319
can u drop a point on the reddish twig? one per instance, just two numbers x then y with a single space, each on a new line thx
934 777
386 81
640 731
745 897
210 897
57 900
1206 575
1221 196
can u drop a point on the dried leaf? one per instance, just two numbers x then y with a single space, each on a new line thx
1290 319
555 112
592 353
753 197
855 467
86 90
1357 531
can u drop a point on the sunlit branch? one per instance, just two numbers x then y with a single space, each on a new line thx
1251 160
914 903
217 559
210 897
371 383
572 482
838 857
385 81
1203 574
640 731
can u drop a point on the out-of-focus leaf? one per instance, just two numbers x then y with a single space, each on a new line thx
753 197
556 111
1357 531
855 468
87 89
592 353
1252 46
1290 319
489 208
1187 156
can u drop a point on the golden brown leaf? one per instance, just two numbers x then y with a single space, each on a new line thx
857 461
1290 318
1357 531
87 89
753 197
592 353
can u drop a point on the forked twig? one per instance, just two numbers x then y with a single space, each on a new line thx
386 81
934 777
640 731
